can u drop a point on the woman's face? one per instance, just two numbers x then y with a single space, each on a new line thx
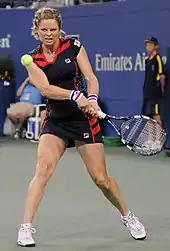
48 32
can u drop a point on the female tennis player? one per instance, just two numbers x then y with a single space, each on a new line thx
57 70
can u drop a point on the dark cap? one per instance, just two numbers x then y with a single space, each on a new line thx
152 40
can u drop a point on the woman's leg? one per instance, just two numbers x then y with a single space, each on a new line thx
93 157
50 150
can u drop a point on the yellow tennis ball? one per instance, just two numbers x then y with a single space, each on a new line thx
26 60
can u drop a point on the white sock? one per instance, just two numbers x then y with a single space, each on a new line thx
26 225
125 216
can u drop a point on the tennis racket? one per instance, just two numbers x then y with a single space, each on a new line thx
140 134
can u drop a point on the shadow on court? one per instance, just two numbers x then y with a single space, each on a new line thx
74 215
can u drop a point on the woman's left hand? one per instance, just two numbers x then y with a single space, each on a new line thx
94 108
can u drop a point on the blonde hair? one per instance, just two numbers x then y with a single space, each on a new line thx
45 14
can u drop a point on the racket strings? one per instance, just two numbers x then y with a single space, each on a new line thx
133 130
145 136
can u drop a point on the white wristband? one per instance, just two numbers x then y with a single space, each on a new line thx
75 95
92 98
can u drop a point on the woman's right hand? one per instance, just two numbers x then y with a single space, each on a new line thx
84 104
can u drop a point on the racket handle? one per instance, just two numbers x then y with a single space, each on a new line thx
101 115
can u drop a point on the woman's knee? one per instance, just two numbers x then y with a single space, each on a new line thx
102 181
45 168
50 150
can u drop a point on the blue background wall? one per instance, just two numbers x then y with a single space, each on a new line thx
115 29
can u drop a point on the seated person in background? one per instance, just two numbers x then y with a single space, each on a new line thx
29 96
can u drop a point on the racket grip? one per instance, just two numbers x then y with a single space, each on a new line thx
101 115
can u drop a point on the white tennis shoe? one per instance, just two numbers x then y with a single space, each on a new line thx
135 227
25 238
